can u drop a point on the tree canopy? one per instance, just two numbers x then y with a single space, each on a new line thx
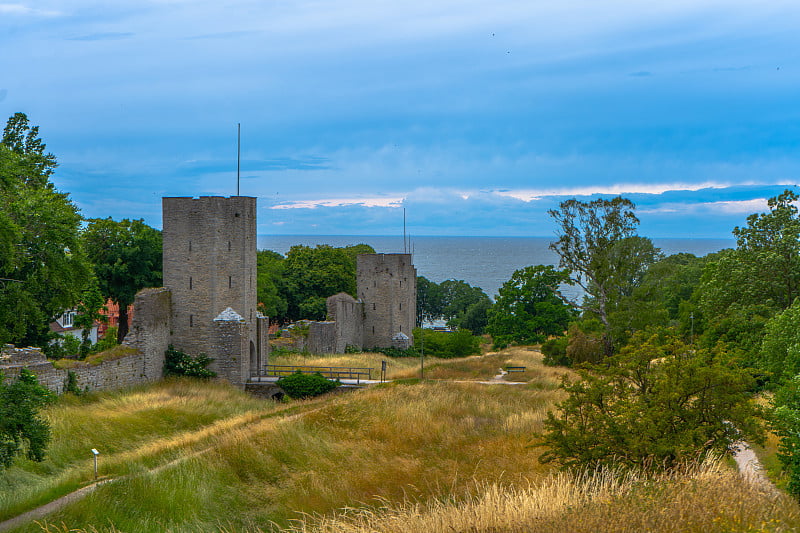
528 309
597 245
655 404
43 270
127 257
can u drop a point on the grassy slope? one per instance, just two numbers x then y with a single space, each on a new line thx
417 455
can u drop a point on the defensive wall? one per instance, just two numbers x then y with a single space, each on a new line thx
148 337
383 316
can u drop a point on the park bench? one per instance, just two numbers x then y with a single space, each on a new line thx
515 369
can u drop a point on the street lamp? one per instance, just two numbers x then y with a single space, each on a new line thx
95 453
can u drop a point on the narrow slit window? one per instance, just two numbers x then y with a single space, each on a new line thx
229 246
191 321
230 282
373 306
190 246
190 282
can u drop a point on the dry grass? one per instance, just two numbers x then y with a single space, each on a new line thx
397 367
117 352
706 498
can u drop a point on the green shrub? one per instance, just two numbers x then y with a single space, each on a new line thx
299 385
555 352
350 348
391 351
72 384
178 363
447 344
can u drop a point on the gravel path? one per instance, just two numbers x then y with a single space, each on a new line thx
750 467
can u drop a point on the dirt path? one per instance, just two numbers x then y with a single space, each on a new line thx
51 507
55 505
750 467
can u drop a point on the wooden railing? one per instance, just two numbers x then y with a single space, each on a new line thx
330 372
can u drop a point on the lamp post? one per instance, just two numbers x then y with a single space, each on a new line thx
95 453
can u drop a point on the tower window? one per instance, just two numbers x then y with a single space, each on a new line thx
190 246
191 321
190 282
229 246
230 282
373 330
373 306
401 306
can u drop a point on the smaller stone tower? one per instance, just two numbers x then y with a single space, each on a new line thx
387 286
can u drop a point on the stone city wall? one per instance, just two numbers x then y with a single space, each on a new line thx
149 337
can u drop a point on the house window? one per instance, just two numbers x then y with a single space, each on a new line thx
67 319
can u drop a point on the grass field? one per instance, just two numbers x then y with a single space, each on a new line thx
407 456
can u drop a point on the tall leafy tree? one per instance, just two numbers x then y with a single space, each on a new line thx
771 243
271 284
598 246
528 309
127 258
43 270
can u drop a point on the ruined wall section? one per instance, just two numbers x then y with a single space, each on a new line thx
149 336
322 337
210 265
387 286
348 314
150 330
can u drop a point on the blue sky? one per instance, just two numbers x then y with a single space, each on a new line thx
475 116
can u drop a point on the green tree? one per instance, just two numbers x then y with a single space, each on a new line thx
779 355
598 246
21 427
87 313
771 244
314 274
785 422
43 270
528 309
655 404
271 284
429 300
127 258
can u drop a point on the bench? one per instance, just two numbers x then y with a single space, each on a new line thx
515 369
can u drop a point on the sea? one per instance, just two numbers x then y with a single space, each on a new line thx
485 262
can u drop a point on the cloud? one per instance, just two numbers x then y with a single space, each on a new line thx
341 202
20 9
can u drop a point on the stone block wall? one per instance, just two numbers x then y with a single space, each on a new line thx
348 314
231 349
322 337
210 265
149 335
387 286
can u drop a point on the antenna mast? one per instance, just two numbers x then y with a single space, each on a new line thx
238 154
405 241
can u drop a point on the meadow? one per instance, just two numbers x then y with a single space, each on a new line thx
440 454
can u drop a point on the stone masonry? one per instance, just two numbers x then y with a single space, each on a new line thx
210 266
387 287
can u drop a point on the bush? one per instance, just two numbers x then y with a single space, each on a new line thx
555 352
299 385
447 344
178 363
391 351
21 428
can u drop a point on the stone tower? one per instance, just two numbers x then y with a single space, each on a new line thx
387 286
210 268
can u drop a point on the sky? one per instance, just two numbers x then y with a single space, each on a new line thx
476 117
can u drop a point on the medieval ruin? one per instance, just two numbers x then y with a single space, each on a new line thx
208 304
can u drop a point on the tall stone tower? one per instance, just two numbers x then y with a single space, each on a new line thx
210 268
387 286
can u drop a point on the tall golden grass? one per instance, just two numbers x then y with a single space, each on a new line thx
703 498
